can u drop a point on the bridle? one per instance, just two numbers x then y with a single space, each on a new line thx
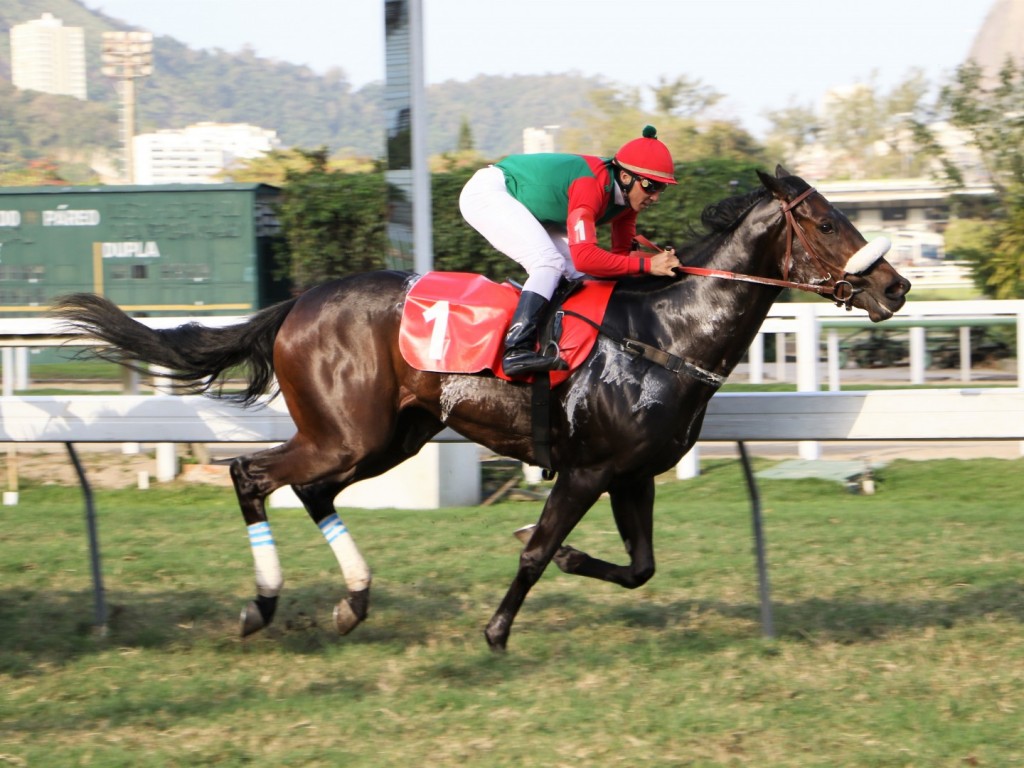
840 291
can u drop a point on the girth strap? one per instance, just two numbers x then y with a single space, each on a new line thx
540 412
671 362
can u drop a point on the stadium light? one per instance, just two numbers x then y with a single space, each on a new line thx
126 57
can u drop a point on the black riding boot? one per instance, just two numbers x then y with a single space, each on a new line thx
521 355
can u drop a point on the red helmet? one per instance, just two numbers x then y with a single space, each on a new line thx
647 157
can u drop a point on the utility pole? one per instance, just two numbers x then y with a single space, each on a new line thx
127 56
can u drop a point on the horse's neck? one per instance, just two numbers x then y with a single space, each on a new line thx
717 318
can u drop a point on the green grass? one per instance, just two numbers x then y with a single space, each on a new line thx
898 617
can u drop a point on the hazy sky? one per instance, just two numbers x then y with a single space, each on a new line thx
761 54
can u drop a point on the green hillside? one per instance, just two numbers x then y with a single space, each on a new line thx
305 108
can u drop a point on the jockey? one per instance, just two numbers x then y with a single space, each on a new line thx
543 210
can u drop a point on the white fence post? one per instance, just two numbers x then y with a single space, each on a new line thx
965 353
807 345
689 466
780 357
1020 358
832 345
755 358
21 368
917 354
166 453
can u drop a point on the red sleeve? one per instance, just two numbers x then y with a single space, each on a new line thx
587 255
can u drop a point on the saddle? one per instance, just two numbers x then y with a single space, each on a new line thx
455 322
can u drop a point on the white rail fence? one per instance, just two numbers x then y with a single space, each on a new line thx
806 416
805 323
814 326
878 415
980 414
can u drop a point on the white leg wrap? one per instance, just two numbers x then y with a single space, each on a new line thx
353 566
264 553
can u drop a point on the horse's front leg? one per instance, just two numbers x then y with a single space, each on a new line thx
633 509
318 499
573 494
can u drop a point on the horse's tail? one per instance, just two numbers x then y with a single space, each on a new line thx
197 356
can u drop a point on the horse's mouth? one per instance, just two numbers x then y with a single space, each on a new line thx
880 304
879 311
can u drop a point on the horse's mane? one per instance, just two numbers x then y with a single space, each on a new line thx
725 214
719 219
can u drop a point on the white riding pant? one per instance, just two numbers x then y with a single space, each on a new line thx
510 227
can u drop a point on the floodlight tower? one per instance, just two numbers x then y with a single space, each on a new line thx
127 56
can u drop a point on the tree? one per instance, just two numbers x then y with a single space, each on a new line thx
684 97
274 167
457 246
988 111
791 129
465 142
676 218
860 132
618 116
333 223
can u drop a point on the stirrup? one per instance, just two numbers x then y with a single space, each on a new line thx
519 362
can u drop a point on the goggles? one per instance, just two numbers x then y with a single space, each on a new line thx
649 186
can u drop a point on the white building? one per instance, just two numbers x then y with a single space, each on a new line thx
49 57
539 139
199 153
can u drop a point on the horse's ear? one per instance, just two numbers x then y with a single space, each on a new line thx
772 185
781 172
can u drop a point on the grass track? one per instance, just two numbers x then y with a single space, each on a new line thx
899 618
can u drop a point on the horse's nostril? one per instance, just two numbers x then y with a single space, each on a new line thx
898 288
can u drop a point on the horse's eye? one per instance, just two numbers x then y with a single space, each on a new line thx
826 228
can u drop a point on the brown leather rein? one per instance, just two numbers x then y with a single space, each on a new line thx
840 291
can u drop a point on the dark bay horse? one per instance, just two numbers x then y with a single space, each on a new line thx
629 413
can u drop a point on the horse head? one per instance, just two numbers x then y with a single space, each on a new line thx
835 255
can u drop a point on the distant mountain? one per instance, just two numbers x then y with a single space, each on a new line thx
1000 37
306 109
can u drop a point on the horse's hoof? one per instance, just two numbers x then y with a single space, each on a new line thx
569 559
257 615
496 644
524 533
496 634
345 618
350 612
251 621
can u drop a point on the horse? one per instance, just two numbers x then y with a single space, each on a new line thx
628 413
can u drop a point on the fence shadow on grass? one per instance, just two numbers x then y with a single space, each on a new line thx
849 618
55 626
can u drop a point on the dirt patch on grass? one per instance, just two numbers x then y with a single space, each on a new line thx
103 468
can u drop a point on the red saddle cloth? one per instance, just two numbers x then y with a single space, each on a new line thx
455 322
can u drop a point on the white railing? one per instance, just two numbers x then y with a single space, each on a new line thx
882 415
808 323
805 322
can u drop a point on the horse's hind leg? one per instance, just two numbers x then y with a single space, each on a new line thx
318 499
251 495
255 477
412 431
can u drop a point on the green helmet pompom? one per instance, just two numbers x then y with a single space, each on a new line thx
650 132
